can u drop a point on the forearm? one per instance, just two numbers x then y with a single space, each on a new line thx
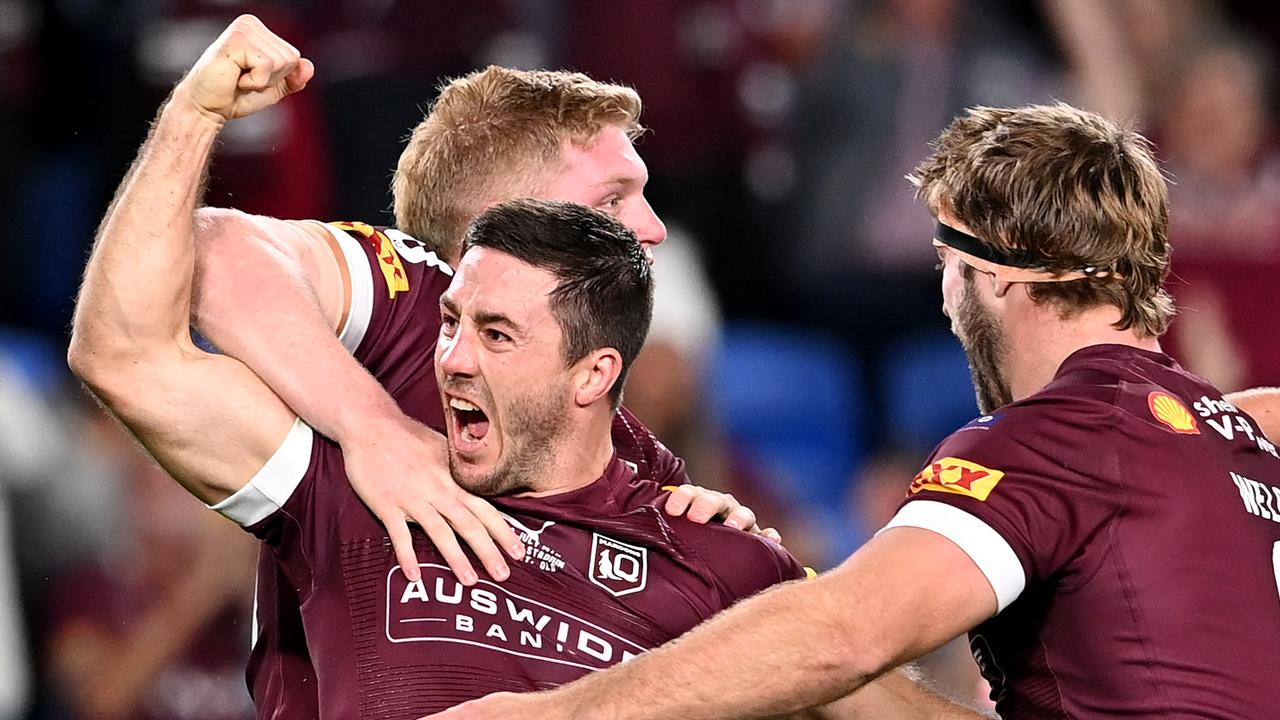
272 294
898 695
1263 405
779 652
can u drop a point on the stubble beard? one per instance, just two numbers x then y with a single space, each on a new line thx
984 343
533 424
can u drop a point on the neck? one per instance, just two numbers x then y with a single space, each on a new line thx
1047 340
578 457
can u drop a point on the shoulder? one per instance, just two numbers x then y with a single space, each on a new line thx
742 564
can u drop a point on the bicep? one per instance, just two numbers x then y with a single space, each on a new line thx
206 419
909 591
247 263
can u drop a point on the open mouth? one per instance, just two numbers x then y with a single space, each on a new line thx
470 425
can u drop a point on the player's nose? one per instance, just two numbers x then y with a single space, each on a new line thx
649 228
458 355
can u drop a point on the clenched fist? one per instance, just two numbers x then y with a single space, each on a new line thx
245 70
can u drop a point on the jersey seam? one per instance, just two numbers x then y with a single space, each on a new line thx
1117 477
1122 567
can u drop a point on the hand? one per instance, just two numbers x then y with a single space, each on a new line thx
400 469
246 69
702 505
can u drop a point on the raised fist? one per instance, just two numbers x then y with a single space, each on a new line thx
245 70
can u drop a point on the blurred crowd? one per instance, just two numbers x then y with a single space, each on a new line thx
798 356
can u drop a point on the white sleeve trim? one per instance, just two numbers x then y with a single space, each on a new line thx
988 550
275 482
361 274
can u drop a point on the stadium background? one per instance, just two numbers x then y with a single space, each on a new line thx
798 359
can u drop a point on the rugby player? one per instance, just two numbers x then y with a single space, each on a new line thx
303 303
549 306
1108 532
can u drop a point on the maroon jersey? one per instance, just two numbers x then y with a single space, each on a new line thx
606 576
1128 519
391 328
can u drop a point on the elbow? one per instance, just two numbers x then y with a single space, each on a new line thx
91 360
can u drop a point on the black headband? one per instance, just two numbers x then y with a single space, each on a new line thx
966 243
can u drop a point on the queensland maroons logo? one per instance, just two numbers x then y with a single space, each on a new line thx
1171 413
618 567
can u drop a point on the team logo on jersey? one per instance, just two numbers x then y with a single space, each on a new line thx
388 260
618 567
1170 411
957 476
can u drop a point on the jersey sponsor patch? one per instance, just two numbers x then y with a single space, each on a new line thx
487 615
1171 413
388 260
618 567
957 476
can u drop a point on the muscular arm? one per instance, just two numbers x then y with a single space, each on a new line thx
1263 405
894 696
801 644
207 419
273 294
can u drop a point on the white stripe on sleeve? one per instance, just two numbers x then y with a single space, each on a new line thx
361 274
986 547
272 485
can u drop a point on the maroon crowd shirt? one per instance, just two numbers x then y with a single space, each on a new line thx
1128 519
366 649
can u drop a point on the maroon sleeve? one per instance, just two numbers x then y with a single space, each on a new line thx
1043 475
301 528
400 316
637 445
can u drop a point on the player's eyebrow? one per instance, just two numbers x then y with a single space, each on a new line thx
623 180
447 303
488 317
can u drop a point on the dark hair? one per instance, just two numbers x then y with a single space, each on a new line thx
604 297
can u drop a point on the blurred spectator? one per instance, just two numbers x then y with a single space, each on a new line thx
24 459
667 390
158 630
890 75
1224 214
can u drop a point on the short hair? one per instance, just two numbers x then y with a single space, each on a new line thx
604 294
1067 188
485 138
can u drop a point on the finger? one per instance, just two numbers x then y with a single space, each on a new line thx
476 536
771 534
301 75
402 544
259 70
447 544
680 498
742 518
501 532
707 505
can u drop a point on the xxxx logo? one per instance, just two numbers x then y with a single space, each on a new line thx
957 476
388 261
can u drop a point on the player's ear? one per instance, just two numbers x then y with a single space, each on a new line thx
594 375
1001 287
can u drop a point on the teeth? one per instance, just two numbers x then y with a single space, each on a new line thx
458 404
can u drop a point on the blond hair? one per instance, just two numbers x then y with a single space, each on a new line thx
486 138
1068 189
